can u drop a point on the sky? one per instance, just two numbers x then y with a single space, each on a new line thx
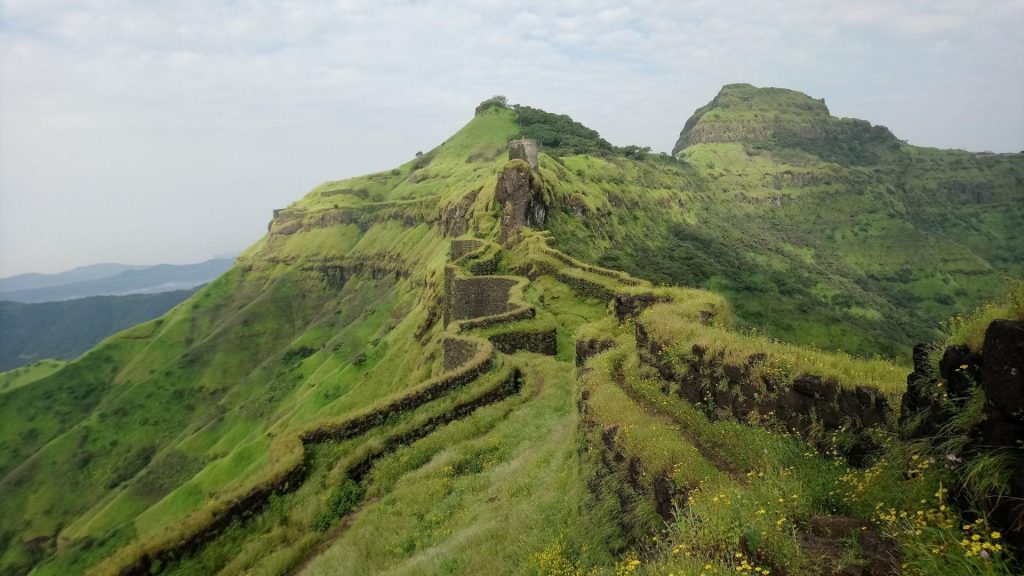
160 131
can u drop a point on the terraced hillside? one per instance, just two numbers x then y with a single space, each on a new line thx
819 230
408 374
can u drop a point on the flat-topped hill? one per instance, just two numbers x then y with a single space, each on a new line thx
769 118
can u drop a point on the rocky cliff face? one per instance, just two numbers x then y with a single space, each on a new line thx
518 194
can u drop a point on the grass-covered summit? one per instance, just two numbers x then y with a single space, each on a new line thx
769 118
427 371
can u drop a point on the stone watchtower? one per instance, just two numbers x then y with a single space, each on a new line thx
525 150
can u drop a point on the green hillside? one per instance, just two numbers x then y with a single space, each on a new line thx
379 385
821 231
65 329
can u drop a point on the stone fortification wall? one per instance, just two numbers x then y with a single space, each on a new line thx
802 403
458 352
461 247
478 296
543 341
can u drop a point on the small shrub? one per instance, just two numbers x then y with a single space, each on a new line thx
343 498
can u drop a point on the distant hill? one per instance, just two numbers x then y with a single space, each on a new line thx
110 279
35 280
32 332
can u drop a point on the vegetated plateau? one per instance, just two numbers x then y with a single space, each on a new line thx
530 351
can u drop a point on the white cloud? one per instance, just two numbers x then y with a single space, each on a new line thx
168 131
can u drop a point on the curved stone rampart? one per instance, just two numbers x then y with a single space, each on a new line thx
479 296
289 469
539 340
616 275
410 212
463 246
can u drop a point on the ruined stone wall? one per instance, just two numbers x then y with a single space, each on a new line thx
458 352
738 391
620 277
542 341
588 348
464 246
289 471
478 296
289 221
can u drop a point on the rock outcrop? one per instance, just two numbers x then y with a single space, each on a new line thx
518 194
802 403
931 403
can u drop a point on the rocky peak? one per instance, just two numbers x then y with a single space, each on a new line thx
780 118
518 190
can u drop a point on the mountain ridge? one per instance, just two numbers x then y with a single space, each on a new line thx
123 280
649 425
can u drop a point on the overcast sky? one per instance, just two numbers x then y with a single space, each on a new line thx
158 131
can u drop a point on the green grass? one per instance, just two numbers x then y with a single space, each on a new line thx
25 375
336 312
484 495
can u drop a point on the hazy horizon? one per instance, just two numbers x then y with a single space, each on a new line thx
168 133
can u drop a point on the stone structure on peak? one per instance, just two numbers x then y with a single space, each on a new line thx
525 150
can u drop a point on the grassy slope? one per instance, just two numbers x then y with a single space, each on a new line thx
66 329
24 375
156 419
165 416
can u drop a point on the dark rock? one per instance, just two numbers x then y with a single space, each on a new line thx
794 402
881 554
722 397
829 414
742 406
808 385
755 359
518 194
830 390
748 388
634 471
1003 373
665 495
630 305
960 368
733 373
586 349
